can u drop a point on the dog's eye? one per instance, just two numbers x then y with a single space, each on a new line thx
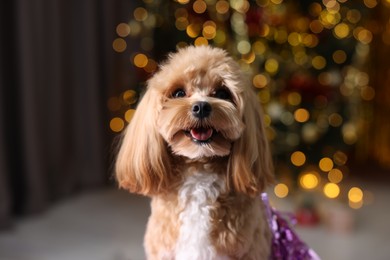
223 94
179 93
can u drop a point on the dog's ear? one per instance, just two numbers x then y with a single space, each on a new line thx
143 164
250 164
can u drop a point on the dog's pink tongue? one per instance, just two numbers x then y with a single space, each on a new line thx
201 134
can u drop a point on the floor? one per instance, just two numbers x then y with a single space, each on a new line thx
109 225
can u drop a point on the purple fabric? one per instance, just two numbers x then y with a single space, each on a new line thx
286 245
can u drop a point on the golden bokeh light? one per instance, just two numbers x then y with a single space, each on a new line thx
129 115
316 26
199 6
249 57
117 124
340 158
294 98
222 7
355 195
129 97
353 16
193 30
281 190
335 176
331 190
271 66
140 60
310 40
298 158
259 47
140 14
363 35
301 115
370 3
339 56
119 45
309 180
209 30
341 30
123 29
335 120
326 164
201 41
332 6
260 81
294 39
349 132
318 62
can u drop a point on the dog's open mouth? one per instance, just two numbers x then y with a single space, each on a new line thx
201 135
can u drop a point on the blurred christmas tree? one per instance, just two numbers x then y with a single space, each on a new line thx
307 59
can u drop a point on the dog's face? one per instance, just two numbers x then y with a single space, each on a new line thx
201 101
197 106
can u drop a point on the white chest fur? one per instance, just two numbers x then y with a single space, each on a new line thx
199 191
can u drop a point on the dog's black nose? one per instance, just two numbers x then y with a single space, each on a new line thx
201 109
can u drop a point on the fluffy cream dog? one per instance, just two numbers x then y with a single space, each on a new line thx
196 145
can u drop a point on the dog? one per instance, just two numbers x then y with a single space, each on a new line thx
197 146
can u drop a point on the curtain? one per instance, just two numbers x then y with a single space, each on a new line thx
57 69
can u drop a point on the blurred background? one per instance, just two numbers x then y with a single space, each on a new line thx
72 72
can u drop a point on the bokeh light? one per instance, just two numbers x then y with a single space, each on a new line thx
123 29
331 190
355 197
129 97
301 115
129 115
117 124
294 98
119 45
140 60
309 180
281 190
298 158
199 6
140 14
335 176
355 194
325 164
201 41
260 81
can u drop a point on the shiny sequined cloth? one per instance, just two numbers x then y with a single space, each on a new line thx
286 245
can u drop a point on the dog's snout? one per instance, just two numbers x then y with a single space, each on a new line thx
201 109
